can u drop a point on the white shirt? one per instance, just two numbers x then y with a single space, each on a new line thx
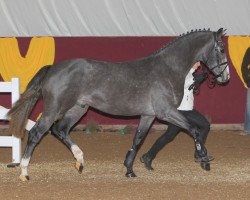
187 102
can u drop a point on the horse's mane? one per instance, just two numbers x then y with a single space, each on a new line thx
178 38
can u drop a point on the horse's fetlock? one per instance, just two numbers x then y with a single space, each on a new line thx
129 158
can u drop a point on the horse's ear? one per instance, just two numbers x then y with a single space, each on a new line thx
221 32
224 32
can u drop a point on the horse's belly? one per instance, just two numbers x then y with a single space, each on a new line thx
123 110
121 107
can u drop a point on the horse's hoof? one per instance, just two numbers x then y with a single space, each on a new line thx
24 178
208 159
147 162
205 166
130 174
79 167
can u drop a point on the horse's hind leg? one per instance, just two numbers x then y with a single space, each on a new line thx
62 128
141 132
35 135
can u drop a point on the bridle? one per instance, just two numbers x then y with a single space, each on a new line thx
219 64
211 78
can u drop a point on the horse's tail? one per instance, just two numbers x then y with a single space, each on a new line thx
19 114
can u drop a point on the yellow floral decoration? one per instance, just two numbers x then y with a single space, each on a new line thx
237 47
41 52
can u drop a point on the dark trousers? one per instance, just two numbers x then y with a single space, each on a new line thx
247 113
194 117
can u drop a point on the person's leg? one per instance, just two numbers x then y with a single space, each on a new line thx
197 119
247 113
164 139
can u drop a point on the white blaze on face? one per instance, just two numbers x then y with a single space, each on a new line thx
78 154
225 76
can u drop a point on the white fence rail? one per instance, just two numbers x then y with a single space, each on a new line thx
12 87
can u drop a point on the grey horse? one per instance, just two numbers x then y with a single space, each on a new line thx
149 87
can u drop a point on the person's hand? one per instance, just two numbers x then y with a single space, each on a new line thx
198 79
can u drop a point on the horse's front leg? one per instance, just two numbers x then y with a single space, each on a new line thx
141 132
175 117
200 149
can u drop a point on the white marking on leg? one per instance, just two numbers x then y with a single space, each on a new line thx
78 154
198 146
24 166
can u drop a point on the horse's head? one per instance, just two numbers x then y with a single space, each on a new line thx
216 59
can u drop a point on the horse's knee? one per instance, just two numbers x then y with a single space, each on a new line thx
139 137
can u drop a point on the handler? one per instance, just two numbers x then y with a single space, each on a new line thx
245 69
186 107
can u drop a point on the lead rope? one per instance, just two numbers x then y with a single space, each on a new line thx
210 80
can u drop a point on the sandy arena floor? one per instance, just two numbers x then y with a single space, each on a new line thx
176 175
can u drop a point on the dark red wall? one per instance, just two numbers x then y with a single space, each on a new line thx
222 104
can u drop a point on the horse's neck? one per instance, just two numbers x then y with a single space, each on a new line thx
177 63
180 56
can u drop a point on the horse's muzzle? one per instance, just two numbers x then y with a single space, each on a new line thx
224 76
